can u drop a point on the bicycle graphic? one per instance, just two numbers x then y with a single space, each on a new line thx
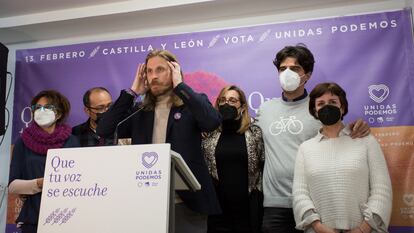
290 124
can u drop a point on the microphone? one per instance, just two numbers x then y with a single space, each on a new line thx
121 122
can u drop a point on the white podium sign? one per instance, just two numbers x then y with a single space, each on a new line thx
106 190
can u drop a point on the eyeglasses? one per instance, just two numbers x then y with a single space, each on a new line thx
231 101
101 108
46 106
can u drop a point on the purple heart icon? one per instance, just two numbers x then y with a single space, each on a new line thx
378 93
149 159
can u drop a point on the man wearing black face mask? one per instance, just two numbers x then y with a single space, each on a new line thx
96 101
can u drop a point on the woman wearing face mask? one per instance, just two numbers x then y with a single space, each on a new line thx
235 155
340 184
47 131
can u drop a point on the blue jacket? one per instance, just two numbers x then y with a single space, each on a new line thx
184 127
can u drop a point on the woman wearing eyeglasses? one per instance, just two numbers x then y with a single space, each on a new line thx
48 131
234 154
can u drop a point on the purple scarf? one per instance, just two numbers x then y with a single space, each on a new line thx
39 141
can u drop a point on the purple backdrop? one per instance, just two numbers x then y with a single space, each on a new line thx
357 52
371 56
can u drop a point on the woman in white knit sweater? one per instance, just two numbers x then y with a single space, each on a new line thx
340 184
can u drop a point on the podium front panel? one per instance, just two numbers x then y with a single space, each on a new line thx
106 190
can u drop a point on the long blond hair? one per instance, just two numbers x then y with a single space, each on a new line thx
149 101
245 117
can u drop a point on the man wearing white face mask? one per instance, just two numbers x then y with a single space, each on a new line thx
286 123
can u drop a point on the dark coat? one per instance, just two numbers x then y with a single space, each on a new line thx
184 127
87 137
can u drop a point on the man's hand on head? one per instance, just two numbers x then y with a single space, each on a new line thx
177 78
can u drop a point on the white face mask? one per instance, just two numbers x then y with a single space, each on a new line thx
289 80
44 117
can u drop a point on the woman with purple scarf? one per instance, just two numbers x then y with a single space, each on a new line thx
48 131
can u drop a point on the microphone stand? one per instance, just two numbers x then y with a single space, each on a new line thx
121 122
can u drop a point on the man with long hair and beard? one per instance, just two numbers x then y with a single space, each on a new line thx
172 113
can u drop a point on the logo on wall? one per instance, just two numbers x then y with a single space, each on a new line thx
408 199
407 212
380 112
149 159
378 93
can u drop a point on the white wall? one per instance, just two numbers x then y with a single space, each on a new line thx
213 24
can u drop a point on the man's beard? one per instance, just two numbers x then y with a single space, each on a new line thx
160 89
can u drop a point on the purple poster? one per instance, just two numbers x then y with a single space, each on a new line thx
370 55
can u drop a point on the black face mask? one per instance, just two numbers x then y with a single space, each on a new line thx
99 116
228 112
329 114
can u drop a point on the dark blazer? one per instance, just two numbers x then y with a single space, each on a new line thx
87 137
184 127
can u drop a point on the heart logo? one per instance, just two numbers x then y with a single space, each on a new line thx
409 199
149 159
378 93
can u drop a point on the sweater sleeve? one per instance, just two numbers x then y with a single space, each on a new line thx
377 211
27 187
260 147
303 206
17 182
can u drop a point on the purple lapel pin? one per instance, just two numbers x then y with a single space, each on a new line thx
177 115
